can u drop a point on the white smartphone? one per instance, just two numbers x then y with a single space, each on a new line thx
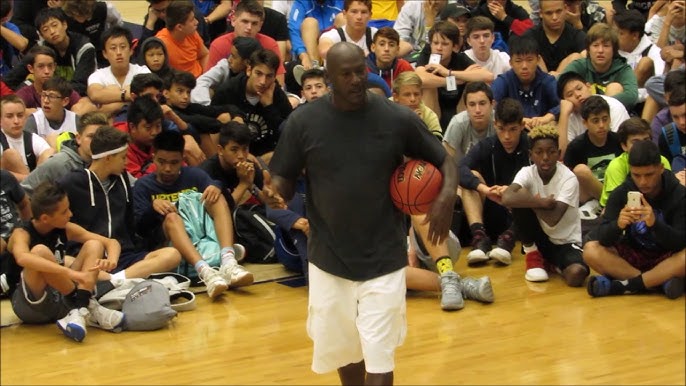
435 59
633 199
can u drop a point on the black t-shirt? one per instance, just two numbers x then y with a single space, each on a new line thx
572 40
275 25
93 29
355 230
448 100
11 194
228 178
582 151
55 240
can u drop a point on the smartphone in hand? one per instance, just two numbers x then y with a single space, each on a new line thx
633 199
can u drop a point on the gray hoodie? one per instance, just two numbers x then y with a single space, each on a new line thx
55 167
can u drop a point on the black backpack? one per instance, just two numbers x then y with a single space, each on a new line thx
256 233
367 34
28 148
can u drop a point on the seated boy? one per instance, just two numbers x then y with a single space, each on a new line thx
407 91
672 140
41 62
110 87
155 197
383 56
527 83
74 154
100 199
589 154
206 120
630 132
604 69
544 198
480 37
32 149
444 77
634 45
259 99
144 121
187 52
470 126
53 118
356 14
234 64
509 18
314 84
640 245
485 172
573 91
55 287
672 81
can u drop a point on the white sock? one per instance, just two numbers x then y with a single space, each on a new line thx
201 265
117 276
228 255
530 248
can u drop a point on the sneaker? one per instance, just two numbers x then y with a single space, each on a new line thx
535 267
104 318
214 282
451 294
674 287
590 210
239 252
478 289
4 287
598 286
481 245
237 276
74 324
504 246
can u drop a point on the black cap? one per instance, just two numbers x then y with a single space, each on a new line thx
454 11
246 46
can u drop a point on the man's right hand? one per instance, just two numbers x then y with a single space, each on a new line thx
269 195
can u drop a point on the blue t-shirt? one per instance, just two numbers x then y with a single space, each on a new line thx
8 52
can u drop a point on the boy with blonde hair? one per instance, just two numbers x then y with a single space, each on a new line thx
407 91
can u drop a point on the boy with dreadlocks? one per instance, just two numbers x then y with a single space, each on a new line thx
544 199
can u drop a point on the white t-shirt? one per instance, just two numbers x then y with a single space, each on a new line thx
565 188
39 145
105 76
333 35
43 126
498 62
461 135
618 114
633 57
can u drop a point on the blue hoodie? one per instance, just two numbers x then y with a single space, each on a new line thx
324 13
540 99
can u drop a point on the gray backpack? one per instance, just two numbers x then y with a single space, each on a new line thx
147 307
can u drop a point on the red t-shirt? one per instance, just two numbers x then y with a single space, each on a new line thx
221 48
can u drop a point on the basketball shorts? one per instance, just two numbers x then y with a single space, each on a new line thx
349 321
50 307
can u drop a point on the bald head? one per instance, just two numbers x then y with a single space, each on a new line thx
343 52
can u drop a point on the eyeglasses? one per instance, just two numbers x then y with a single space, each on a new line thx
45 95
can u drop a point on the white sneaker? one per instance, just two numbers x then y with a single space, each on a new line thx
214 282
590 210
239 252
74 324
104 318
536 274
237 276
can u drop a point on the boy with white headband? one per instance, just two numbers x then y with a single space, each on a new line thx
102 202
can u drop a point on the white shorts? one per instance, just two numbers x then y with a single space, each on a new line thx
349 321
454 249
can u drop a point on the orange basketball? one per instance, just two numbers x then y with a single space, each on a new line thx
414 186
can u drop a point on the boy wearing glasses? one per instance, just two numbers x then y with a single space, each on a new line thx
53 118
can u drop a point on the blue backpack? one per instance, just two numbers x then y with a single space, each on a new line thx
672 139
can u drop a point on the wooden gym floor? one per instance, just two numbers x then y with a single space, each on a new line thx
542 333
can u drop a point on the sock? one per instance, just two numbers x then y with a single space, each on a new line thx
201 265
228 255
444 264
82 298
121 275
477 226
529 248
631 286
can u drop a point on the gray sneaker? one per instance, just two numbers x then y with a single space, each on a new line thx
451 294
478 289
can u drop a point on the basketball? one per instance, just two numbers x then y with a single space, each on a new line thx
414 186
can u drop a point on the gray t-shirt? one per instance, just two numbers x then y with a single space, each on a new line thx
461 135
349 157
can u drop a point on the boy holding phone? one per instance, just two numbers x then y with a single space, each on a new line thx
640 246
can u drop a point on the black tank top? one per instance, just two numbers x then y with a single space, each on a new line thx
55 240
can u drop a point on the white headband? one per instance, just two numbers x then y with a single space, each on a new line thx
109 152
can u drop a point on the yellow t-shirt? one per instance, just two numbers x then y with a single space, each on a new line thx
384 9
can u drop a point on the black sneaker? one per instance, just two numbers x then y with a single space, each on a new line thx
674 287
504 246
481 245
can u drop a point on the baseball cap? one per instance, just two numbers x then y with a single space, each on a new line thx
454 11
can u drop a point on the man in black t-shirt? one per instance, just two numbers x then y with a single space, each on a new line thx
443 78
560 43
